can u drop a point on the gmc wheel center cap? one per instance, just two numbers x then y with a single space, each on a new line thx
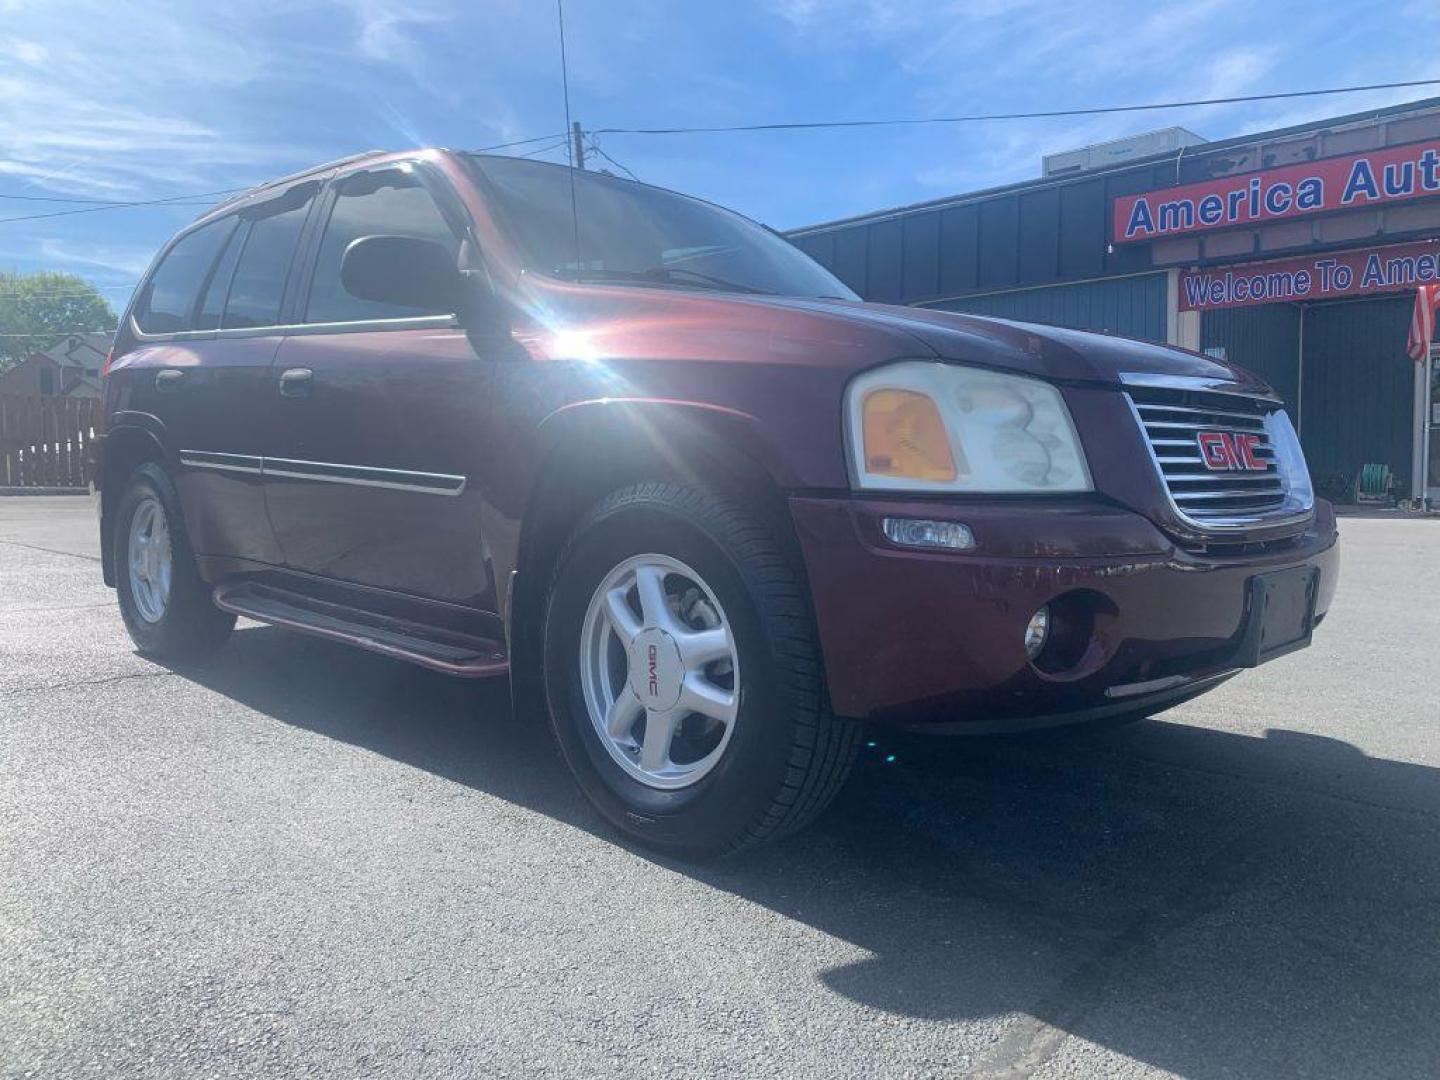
656 670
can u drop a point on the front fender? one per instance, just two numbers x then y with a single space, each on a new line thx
673 429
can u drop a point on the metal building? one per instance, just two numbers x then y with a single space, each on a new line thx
1295 253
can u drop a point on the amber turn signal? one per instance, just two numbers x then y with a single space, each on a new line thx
905 437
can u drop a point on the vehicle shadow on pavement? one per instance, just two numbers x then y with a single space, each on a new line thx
1212 904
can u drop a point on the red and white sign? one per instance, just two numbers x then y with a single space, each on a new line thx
1422 324
1376 177
1395 268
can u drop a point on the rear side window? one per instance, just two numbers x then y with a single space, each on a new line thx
170 294
382 202
258 285
212 303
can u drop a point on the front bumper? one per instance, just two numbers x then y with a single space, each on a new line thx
936 638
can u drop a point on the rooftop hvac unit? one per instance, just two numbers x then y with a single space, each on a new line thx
1119 151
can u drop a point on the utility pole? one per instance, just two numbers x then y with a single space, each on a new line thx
577 137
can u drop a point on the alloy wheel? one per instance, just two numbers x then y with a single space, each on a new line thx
659 671
151 559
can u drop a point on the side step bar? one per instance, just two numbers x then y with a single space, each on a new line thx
441 650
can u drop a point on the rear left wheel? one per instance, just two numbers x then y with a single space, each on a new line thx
166 606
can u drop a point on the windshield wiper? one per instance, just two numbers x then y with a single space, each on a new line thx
661 275
667 273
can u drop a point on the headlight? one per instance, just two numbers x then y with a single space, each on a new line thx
926 426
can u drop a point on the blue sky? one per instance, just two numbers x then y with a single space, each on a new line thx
146 99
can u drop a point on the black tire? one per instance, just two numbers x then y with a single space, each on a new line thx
191 626
787 756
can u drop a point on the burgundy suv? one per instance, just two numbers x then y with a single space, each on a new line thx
495 416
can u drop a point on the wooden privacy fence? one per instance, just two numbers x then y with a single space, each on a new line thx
46 441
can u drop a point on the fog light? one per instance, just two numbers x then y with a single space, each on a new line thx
1036 631
913 532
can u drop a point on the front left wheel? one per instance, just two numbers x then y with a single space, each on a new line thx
683 676
166 606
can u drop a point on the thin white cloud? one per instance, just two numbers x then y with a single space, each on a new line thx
30 53
387 30
126 262
90 120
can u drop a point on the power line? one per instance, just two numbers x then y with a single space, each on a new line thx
66 291
62 333
595 145
92 205
60 290
978 117
174 200
57 198
88 202
96 205
18 297
555 145
520 142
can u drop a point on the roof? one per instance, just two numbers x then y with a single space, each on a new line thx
79 350
281 181
1431 104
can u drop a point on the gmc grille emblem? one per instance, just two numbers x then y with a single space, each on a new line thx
1230 451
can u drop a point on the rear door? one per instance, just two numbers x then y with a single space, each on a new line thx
229 406
368 477
207 390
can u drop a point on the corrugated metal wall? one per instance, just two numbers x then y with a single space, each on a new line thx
1265 339
1133 306
1359 387
1056 230
1052 234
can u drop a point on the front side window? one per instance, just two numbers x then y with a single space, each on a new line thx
381 202
631 233
258 286
170 294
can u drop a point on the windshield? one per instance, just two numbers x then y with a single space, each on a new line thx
633 233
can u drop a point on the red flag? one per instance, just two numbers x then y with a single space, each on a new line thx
1422 325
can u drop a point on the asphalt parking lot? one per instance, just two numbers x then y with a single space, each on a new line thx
302 860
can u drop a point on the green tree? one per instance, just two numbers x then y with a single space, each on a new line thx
37 310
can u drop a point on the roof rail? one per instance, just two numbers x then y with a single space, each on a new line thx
346 160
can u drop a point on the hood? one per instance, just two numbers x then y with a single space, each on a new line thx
620 322
1050 352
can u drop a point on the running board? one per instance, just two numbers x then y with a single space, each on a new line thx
440 650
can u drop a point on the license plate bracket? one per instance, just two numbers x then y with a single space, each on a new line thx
1280 615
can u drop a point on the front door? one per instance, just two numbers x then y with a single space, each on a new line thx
369 480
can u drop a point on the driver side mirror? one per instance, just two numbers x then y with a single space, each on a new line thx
403 270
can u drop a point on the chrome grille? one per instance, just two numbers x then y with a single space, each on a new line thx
1173 419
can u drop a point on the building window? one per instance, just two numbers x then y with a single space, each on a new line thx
47 381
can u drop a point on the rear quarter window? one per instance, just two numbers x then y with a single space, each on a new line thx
169 297
217 287
258 286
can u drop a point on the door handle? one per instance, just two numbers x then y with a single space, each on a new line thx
296 382
168 381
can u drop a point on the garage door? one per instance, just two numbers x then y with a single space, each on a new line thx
1358 387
